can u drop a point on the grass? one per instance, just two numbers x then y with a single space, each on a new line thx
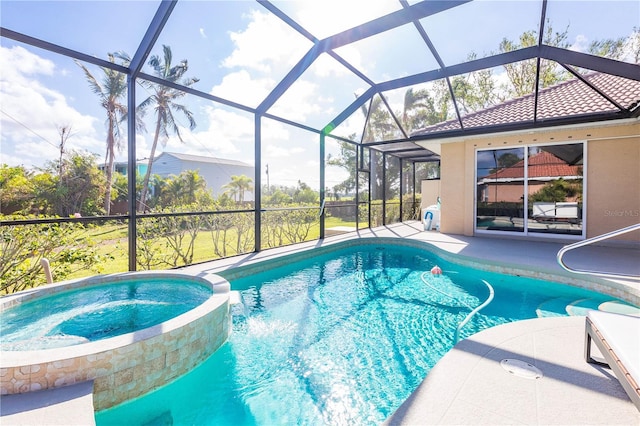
111 241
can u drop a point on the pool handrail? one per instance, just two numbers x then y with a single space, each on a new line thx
590 241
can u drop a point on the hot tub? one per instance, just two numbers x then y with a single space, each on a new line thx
125 354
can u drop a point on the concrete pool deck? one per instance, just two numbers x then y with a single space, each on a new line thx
69 406
468 386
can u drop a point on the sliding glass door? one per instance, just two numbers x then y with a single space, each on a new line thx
555 181
500 190
534 189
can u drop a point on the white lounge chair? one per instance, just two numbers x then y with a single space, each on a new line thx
617 336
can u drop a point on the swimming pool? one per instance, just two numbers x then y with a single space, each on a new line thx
342 337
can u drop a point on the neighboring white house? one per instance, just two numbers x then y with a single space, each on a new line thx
216 172
121 167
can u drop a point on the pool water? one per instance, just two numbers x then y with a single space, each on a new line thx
98 312
342 338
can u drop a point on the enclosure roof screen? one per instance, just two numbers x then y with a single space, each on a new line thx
384 73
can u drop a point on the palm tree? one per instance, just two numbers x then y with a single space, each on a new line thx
238 185
186 187
194 184
163 99
413 100
110 92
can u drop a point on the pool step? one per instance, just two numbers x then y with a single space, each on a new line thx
563 306
555 307
619 308
582 306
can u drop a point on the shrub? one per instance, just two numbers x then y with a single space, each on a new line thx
22 248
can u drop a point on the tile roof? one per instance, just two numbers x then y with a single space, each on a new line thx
543 164
571 97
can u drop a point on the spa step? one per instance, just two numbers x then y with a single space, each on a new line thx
235 298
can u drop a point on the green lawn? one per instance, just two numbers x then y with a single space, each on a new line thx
111 240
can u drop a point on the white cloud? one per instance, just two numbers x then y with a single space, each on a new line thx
325 65
265 44
263 53
229 135
241 88
351 126
222 133
273 151
274 131
328 17
298 102
23 64
202 33
32 113
143 148
580 43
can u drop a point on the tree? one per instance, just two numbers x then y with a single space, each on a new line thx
415 103
522 75
65 134
380 124
111 92
609 48
304 194
237 187
78 190
346 159
163 101
557 191
621 49
120 189
186 188
508 159
278 197
16 189
633 45
474 91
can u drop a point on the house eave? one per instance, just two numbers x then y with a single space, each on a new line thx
428 141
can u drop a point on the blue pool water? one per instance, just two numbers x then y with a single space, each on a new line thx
342 338
98 312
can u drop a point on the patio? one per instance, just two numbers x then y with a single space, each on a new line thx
315 119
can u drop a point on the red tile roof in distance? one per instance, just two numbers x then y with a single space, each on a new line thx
543 164
572 97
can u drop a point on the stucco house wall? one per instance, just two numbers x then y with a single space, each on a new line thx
612 194
614 184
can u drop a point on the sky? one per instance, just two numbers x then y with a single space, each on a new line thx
240 51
